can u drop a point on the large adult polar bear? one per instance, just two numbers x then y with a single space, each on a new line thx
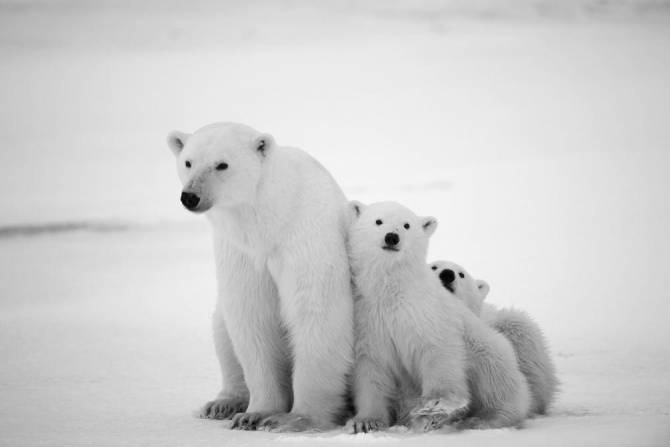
283 324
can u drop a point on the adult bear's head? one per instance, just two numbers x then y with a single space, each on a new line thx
219 165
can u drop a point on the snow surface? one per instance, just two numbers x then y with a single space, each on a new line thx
537 132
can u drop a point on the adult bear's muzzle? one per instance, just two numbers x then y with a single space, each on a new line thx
190 200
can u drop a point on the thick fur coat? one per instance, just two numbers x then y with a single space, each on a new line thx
283 324
517 326
416 343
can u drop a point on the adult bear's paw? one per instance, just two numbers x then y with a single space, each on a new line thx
224 408
247 421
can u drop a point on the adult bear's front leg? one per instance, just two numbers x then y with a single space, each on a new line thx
250 307
317 304
234 395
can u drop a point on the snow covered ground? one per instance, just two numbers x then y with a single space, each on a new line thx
538 132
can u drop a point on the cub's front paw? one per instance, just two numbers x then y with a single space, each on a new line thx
246 421
293 422
223 408
440 406
365 425
424 423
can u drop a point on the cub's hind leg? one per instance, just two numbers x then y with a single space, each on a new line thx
500 395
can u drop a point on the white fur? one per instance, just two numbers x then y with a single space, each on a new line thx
517 326
470 291
415 343
283 324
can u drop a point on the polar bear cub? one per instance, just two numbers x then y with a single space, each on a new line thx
416 342
283 324
518 327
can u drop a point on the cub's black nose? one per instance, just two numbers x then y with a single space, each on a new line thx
391 239
189 200
447 276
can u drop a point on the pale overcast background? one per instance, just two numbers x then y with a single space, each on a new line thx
536 131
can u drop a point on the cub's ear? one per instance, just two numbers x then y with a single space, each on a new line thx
176 141
263 143
429 224
356 208
483 288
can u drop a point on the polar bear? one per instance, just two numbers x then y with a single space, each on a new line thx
470 291
525 335
283 323
402 344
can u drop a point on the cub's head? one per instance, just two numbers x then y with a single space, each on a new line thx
458 281
219 165
387 234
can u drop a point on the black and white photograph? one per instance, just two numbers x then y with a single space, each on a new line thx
334 223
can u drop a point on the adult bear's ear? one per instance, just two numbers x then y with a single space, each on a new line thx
263 143
176 141
429 224
483 288
356 208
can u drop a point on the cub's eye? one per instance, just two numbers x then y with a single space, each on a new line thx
188 164
379 222
406 226
434 267
461 274
222 166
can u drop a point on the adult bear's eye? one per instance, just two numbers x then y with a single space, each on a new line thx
461 274
188 164
222 166
434 267
379 222
406 226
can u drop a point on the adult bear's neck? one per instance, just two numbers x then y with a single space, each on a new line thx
240 225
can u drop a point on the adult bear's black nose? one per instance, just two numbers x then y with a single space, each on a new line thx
447 276
392 239
189 200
